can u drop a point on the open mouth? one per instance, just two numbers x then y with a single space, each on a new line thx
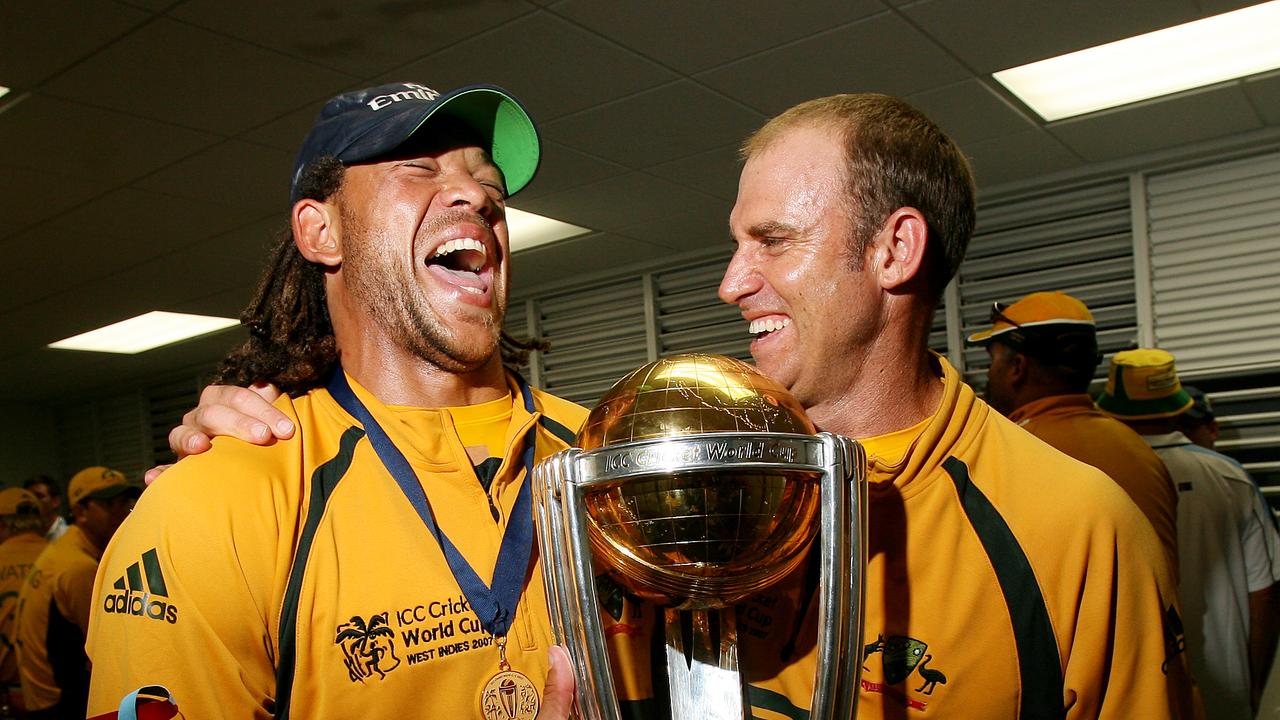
765 326
462 262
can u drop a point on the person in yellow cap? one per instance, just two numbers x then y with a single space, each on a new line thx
21 541
1044 350
1228 548
379 563
54 602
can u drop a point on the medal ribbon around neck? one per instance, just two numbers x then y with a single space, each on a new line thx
493 604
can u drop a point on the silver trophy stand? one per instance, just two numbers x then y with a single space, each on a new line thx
703 676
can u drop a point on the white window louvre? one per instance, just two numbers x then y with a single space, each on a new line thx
597 335
692 318
1215 257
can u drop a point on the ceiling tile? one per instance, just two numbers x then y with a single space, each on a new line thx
623 201
251 244
47 260
128 214
554 67
1215 7
31 196
121 292
562 168
1000 34
880 54
289 130
108 147
1165 123
643 130
1019 156
577 257
970 112
683 232
37 41
674 32
191 85
714 172
361 37
1264 93
154 6
233 173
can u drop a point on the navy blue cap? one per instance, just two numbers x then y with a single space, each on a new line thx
364 124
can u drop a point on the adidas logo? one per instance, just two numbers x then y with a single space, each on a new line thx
136 598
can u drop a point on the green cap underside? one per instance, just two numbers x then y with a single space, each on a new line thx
515 148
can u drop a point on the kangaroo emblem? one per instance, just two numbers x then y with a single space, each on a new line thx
875 647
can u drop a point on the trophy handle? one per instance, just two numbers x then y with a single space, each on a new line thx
569 576
842 557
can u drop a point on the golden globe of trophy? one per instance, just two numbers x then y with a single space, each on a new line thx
698 482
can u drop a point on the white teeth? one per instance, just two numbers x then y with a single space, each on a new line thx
764 326
461 244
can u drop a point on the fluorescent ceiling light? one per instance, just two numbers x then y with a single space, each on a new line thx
1212 50
528 230
144 332
3 91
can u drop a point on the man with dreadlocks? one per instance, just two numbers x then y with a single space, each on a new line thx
379 559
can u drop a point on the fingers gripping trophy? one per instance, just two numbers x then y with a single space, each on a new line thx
698 482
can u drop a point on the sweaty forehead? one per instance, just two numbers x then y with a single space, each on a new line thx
793 183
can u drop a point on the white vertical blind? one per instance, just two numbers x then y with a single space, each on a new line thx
1215 262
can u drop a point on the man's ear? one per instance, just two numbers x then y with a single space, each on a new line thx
900 246
1019 368
317 231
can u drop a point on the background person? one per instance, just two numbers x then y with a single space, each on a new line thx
54 603
1199 423
21 541
1044 350
46 490
1228 547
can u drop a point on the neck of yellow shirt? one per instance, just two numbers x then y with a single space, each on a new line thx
397 376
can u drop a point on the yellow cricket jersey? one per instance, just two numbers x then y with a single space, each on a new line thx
1005 580
1074 425
17 556
296 579
53 615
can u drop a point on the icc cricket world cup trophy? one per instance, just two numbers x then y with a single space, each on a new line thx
697 483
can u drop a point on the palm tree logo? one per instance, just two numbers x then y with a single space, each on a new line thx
367 647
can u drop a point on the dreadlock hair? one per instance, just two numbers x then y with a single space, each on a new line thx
291 343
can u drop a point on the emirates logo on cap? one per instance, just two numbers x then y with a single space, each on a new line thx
414 92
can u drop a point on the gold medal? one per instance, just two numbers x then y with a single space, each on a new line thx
509 695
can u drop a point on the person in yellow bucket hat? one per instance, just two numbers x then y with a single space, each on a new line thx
1228 548
21 541
1044 350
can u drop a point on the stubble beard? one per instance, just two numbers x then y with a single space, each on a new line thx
392 299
